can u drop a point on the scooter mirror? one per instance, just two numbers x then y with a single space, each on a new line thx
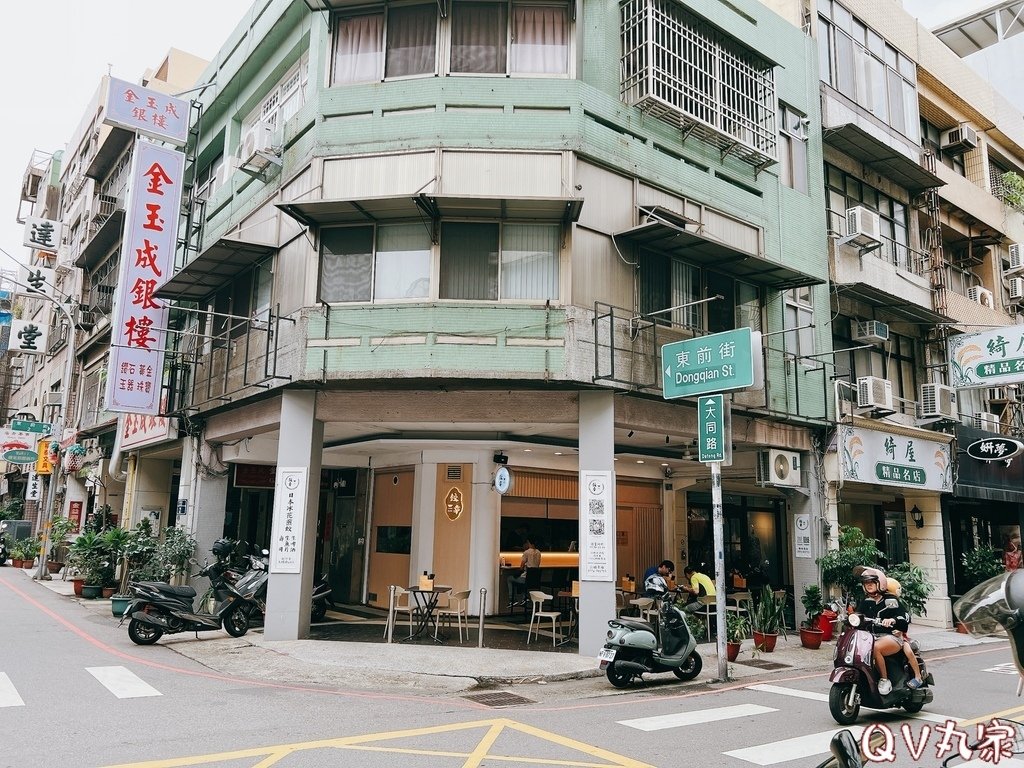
846 750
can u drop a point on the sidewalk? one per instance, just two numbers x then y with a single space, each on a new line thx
453 668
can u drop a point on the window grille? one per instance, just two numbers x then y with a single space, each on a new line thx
678 68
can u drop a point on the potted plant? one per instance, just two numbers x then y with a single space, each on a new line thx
810 632
17 554
74 457
89 554
60 529
117 541
766 620
737 627
837 564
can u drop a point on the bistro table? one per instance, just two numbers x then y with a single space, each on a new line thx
574 617
426 606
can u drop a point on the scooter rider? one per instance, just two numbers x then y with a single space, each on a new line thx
891 620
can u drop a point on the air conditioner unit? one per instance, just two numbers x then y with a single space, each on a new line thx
257 145
1016 257
1016 288
986 421
958 140
862 227
874 392
938 402
52 399
871 332
775 467
981 296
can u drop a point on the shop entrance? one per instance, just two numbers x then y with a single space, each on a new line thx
753 538
341 532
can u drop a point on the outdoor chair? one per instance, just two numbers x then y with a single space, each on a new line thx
403 604
538 599
457 607
742 603
707 611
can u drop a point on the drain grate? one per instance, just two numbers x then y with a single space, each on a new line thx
498 699
760 664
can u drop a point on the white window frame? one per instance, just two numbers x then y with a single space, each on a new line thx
296 80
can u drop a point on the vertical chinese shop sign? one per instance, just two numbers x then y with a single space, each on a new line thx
147 259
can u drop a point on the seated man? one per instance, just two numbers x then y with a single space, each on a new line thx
696 584
530 559
656 578
892 620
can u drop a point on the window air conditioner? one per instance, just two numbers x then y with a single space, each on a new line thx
775 467
981 296
51 399
1016 257
986 421
874 392
257 144
958 140
938 402
1016 288
862 227
871 332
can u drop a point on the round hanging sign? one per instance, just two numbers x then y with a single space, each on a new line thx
20 456
502 480
995 449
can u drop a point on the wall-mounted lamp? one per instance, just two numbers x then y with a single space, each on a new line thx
500 458
917 516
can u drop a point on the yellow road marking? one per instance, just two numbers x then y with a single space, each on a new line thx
269 755
985 718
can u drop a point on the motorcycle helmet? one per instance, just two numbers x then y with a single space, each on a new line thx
867 573
222 547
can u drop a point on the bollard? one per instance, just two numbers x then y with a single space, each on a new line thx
483 608
391 611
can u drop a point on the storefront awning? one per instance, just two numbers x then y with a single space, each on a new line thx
988 494
375 209
852 140
108 152
886 303
211 269
101 243
667 233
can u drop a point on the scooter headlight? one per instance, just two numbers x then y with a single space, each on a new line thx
854 619
611 634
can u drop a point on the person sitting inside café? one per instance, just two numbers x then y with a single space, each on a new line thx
530 559
656 578
696 585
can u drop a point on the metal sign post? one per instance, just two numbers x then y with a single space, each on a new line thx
714 447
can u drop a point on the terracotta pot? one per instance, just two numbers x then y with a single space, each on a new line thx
108 591
77 584
732 650
53 566
961 628
811 638
765 642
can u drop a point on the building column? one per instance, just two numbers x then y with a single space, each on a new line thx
928 552
597 454
201 498
300 445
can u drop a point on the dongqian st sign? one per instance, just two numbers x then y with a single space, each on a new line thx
721 362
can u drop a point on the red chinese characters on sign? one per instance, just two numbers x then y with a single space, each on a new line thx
147 252
75 515
142 109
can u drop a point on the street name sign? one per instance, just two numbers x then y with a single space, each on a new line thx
39 427
721 362
714 433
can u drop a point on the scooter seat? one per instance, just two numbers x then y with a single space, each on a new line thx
168 589
635 623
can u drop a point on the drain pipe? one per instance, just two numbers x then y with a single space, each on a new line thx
391 611
480 627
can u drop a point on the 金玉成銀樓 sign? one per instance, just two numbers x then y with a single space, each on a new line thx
721 362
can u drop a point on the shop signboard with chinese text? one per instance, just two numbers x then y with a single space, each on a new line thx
42 234
37 281
597 526
721 362
43 464
75 515
33 490
143 110
886 458
147 259
995 449
28 337
988 359
802 535
289 524
141 429
714 430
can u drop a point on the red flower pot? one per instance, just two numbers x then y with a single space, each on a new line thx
732 650
811 638
765 642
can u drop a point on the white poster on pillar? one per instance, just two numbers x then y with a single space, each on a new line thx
597 526
289 520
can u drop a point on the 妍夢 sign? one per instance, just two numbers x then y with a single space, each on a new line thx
995 449
886 458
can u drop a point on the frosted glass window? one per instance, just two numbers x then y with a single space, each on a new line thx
346 263
469 261
402 269
529 261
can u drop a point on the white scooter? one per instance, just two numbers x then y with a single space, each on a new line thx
633 647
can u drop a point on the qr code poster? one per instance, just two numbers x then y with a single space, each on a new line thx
597 526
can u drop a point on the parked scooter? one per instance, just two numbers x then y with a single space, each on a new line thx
3 549
855 680
633 648
254 582
321 598
159 608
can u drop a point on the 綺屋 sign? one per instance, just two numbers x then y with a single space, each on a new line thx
987 359
887 458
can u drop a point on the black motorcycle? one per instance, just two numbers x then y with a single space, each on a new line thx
321 598
3 550
158 608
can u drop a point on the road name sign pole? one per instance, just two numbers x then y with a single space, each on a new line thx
719 533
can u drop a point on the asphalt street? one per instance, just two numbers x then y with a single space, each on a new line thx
74 691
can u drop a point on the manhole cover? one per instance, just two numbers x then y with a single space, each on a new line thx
498 699
760 664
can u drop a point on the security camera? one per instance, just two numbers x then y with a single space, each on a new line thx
500 458
668 471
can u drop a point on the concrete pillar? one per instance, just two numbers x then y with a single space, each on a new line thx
928 551
300 445
483 558
423 514
149 493
597 453
206 497
810 508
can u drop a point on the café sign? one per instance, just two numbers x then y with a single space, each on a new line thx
995 449
887 458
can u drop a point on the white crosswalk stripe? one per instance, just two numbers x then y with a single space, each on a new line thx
678 719
8 693
790 749
122 682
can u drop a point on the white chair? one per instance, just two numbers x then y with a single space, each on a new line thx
620 602
403 604
456 607
707 612
642 605
538 599
743 603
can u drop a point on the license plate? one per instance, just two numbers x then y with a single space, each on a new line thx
606 655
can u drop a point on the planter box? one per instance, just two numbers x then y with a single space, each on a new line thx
53 566
91 591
